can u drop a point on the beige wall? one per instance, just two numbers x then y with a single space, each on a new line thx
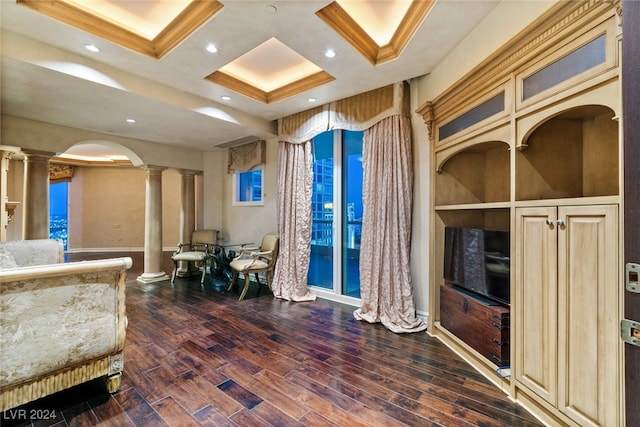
250 223
107 208
215 164
420 228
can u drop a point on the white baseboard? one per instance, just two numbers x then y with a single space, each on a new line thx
111 249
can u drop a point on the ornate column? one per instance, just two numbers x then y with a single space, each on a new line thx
153 227
187 213
5 216
35 224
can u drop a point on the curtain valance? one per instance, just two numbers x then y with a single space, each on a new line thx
246 156
60 173
357 112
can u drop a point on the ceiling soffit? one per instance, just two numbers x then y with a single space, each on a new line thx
182 26
348 28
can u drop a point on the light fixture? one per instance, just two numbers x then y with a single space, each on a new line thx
91 47
212 48
271 9
131 120
330 53
312 99
226 97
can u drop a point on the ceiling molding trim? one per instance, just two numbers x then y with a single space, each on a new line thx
410 23
342 23
61 160
237 85
307 83
91 23
289 90
191 18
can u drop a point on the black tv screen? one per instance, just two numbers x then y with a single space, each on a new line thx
478 260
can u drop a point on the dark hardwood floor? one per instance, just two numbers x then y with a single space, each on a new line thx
197 356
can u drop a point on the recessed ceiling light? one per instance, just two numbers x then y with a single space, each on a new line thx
131 120
91 47
226 97
312 99
271 9
212 48
330 53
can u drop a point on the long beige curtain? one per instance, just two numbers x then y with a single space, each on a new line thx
295 184
385 276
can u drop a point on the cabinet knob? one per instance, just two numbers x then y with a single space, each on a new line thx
549 221
560 222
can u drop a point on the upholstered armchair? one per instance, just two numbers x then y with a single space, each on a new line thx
255 260
197 252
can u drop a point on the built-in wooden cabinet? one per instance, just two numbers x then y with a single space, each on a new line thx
566 263
529 143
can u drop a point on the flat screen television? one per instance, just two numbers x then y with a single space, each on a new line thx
478 261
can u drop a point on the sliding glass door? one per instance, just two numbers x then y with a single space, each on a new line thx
337 212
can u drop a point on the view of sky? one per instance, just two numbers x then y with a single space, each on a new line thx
58 194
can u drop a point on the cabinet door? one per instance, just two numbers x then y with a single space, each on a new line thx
535 301
588 320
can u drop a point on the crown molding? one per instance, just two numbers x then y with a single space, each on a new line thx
291 89
342 23
557 26
190 19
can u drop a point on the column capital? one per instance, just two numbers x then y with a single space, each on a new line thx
189 172
7 154
153 169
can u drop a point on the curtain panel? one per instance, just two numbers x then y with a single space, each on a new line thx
387 190
295 185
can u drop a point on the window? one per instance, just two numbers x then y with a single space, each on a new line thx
58 211
247 188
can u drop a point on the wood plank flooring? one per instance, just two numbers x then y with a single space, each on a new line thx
197 356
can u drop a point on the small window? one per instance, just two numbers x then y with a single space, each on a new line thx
248 188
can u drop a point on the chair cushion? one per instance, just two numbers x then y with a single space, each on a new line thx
189 256
242 264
